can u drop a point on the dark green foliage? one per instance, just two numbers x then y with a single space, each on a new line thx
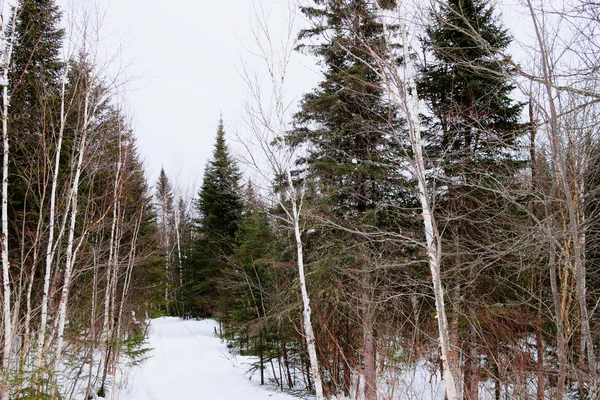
34 90
219 208
473 140
220 202
355 143
467 87
344 121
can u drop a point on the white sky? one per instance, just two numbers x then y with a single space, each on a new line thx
180 60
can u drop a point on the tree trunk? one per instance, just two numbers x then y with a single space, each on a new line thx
50 248
433 239
8 331
308 329
402 91
571 199
369 357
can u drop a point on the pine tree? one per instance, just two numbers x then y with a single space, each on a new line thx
219 208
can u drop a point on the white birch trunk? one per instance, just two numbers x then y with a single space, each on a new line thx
62 305
432 237
51 223
8 334
308 330
111 273
4 243
402 90
129 272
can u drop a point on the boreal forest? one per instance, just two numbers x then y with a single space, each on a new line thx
421 223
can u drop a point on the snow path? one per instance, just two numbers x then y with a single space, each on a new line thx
189 362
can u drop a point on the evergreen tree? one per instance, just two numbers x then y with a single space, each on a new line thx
34 91
467 88
164 205
250 283
36 64
344 120
473 137
219 208
353 168
34 77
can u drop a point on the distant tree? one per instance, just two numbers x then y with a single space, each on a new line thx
166 222
219 207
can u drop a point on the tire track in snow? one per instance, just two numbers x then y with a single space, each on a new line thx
189 362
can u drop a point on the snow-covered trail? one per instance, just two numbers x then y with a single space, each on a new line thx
189 362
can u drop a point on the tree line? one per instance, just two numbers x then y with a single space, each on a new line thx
80 268
431 205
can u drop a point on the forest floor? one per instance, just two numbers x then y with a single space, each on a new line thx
188 361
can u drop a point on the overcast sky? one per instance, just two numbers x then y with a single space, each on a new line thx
181 61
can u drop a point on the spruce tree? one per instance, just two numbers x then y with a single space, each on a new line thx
353 169
34 91
473 139
34 76
164 206
219 207
343 121
467 87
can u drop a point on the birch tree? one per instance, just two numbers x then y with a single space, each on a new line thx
6 306
267 118
402 91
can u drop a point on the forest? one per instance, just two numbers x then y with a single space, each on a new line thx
432 204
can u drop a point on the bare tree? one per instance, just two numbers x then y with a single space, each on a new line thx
267 118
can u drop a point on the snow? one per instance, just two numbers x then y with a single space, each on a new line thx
189 362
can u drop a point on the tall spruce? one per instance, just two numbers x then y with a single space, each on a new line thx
166 222
352 163
34 73
467 86
473 139
219 208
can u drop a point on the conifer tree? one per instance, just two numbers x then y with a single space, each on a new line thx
164 204
34 73
473 138
352 162
468 89
219 207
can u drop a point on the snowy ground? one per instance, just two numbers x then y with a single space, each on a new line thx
189 362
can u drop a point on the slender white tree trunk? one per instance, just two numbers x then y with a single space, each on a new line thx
112 256
4 242
51 223
402 90
432 237
8 334
308 329
129 272
69 256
